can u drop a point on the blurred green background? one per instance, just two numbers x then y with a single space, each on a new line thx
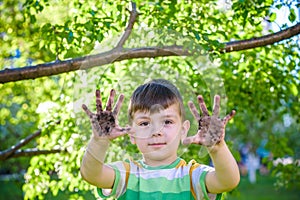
261 84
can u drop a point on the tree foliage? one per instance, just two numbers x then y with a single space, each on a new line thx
262 83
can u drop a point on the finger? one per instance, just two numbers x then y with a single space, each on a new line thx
216 109
203 106
124 130
191 140
118 105
194 110
228 117
110 100
87 111
98 102
119 131
122 133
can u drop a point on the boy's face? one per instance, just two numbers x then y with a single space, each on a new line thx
158 134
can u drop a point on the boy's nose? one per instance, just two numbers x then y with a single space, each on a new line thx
157 131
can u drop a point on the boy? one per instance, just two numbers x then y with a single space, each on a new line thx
156 116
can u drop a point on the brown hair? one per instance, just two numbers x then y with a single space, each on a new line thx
156 92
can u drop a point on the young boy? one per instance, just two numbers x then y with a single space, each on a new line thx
157 126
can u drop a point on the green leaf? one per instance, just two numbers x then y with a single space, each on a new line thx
273 17
294 90
292 15
119 8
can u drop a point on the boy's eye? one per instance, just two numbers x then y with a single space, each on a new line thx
167 122
143 123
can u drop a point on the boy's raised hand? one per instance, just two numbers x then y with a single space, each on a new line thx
211 129
104 122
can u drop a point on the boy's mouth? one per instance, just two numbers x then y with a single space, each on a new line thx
157 144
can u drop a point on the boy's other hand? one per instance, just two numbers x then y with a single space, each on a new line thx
104 122
211 129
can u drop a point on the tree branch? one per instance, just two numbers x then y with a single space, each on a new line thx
132 19
9 152
117 54
33 152
14 150
262 41
54 68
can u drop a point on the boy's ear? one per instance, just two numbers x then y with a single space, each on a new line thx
185 129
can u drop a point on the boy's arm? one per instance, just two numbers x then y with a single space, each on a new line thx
93 169
105 128
226 175
211 133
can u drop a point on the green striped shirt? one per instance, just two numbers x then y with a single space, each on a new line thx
179 180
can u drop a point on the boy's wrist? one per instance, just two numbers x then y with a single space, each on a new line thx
98 139
97 148
215 148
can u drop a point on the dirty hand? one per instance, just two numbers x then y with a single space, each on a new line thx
104 122
211 129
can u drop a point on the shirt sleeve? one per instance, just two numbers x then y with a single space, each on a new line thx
119 186
198 181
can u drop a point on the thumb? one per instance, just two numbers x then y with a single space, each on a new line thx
123 130
188 140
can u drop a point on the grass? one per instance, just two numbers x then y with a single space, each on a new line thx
263 189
